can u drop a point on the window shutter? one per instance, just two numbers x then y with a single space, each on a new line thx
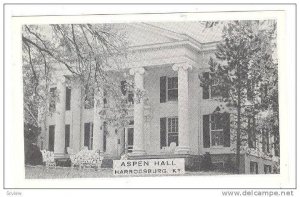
163 95
68 98
205 93
206 131
86 134
226 129
163 131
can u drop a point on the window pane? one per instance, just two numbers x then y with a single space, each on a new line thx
217 138
173 95
173 137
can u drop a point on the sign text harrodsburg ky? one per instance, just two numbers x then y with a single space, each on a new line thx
148 167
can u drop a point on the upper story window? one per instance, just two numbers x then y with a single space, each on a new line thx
68 98
127 91
172 93
213 90
168 89
89 97
52 103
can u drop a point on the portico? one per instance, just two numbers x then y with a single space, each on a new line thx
183 146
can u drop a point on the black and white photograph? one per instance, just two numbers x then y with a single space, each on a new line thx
118 100
149 94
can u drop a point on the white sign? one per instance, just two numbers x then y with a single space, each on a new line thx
148 167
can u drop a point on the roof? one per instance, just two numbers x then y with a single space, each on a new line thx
193 29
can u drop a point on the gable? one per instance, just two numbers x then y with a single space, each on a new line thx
139 34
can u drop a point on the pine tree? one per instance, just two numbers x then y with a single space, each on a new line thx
240 69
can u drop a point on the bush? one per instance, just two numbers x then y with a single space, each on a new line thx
33 155
206 164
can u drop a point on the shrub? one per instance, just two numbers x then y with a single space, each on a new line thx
33 155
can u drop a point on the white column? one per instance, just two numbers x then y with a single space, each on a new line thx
59 139
76 109
98 127
138 135
183 104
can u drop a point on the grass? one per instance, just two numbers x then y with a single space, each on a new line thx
41 172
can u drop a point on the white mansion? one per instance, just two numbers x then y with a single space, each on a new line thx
178 119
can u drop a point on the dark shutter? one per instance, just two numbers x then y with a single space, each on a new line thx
86 134
163 90
67 137
51 137
226 129
163 130
206 131
123 87
205 93
68 98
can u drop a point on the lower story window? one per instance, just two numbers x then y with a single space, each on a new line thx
253 167
172 131
51 138
267 169
88 135
67 137
216 129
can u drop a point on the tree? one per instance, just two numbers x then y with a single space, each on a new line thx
90 52
239 70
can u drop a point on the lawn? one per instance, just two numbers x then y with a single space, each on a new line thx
41 172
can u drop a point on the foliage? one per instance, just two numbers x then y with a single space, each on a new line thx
244 64
86 53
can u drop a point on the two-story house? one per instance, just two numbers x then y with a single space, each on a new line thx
179 118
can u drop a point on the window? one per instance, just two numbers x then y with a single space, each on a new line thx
52 99
265 141
51 137
68 98
172 131
251 132
172 87
267 169
89 97
126 90
253 167
67 137
168 131
213 87
216 129
168 89
214 91
88 135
